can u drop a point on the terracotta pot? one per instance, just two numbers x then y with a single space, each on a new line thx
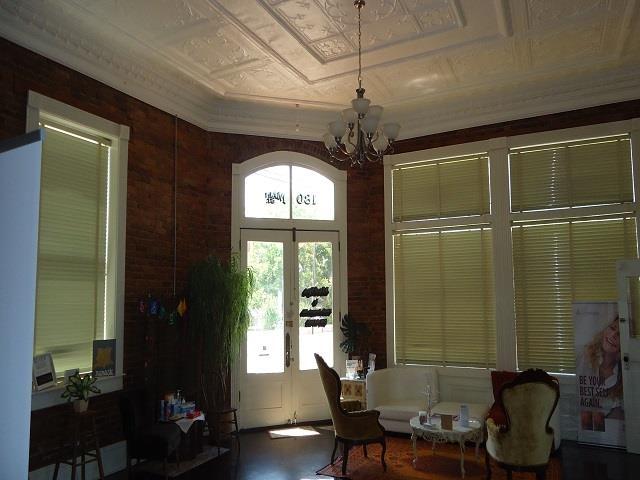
80 406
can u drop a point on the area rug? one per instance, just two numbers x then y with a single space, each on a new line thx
292 432
445 464
156 467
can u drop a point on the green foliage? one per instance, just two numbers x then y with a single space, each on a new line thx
219 312
79 387
355 334
315 269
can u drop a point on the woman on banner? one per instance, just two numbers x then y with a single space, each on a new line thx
601 358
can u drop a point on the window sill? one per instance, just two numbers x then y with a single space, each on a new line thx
51 396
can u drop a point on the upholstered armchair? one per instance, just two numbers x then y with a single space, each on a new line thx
351 428
523 439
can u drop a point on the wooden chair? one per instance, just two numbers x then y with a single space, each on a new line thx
351 428
523 440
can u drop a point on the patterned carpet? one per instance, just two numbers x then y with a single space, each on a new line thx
445 464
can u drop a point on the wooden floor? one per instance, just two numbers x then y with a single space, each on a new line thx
261 458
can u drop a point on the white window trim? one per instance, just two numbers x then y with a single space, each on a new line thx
39 107
500 219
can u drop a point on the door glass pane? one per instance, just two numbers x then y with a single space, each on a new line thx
634 307
315 283
266 193
312 195
265 338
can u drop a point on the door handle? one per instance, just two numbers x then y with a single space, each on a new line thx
287 350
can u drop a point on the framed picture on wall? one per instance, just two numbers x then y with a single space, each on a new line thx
44 374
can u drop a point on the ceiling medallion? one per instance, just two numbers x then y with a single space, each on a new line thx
356 137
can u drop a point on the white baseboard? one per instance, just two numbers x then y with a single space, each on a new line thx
114 459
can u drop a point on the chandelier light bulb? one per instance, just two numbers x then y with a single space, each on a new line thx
337 128
349 115
391 130
375 111
329 141
360 105
369 124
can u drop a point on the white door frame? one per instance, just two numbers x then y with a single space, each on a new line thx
630 353
339 224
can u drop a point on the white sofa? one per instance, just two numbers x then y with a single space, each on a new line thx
398 394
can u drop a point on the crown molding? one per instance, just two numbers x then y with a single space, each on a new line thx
177 94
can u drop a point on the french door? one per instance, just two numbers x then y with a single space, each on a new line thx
629 314
295 302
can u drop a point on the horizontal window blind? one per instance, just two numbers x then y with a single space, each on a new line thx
556 263
571 174
72 247
450 187
444 303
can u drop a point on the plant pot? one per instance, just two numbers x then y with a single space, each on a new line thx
80 406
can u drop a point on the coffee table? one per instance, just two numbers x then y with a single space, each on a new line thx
459 434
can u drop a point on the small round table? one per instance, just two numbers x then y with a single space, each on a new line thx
458 434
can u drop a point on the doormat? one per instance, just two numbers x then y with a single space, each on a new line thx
293 432
156 467
444 465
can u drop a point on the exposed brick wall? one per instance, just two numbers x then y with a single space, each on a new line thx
204 210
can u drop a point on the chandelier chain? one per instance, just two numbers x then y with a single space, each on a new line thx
359 47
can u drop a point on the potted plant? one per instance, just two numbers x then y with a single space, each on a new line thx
219 319
356 335
78 390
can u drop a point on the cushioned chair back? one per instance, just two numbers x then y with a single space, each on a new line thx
332 389
529 402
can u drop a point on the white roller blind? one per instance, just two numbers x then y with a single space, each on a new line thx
451 187
72 247
556 263
571 174
444 302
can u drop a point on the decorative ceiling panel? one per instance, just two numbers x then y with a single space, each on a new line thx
544 12
244 64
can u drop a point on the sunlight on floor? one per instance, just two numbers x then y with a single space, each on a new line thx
293 432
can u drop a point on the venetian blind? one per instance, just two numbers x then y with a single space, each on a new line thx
451 187
555 264
586 172
444 301
72 247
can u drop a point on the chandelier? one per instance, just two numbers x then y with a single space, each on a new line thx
356 137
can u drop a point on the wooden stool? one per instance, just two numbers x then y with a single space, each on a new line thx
83 429
221 420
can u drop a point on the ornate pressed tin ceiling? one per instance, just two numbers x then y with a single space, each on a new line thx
243 65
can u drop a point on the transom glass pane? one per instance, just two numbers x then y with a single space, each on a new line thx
312 195
266 193
315 273
265 338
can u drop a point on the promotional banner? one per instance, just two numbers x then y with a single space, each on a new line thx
599 373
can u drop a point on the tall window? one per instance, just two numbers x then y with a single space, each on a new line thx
442 262
72 252
563 250
80 276
490 251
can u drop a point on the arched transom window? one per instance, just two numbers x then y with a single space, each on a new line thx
289 192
